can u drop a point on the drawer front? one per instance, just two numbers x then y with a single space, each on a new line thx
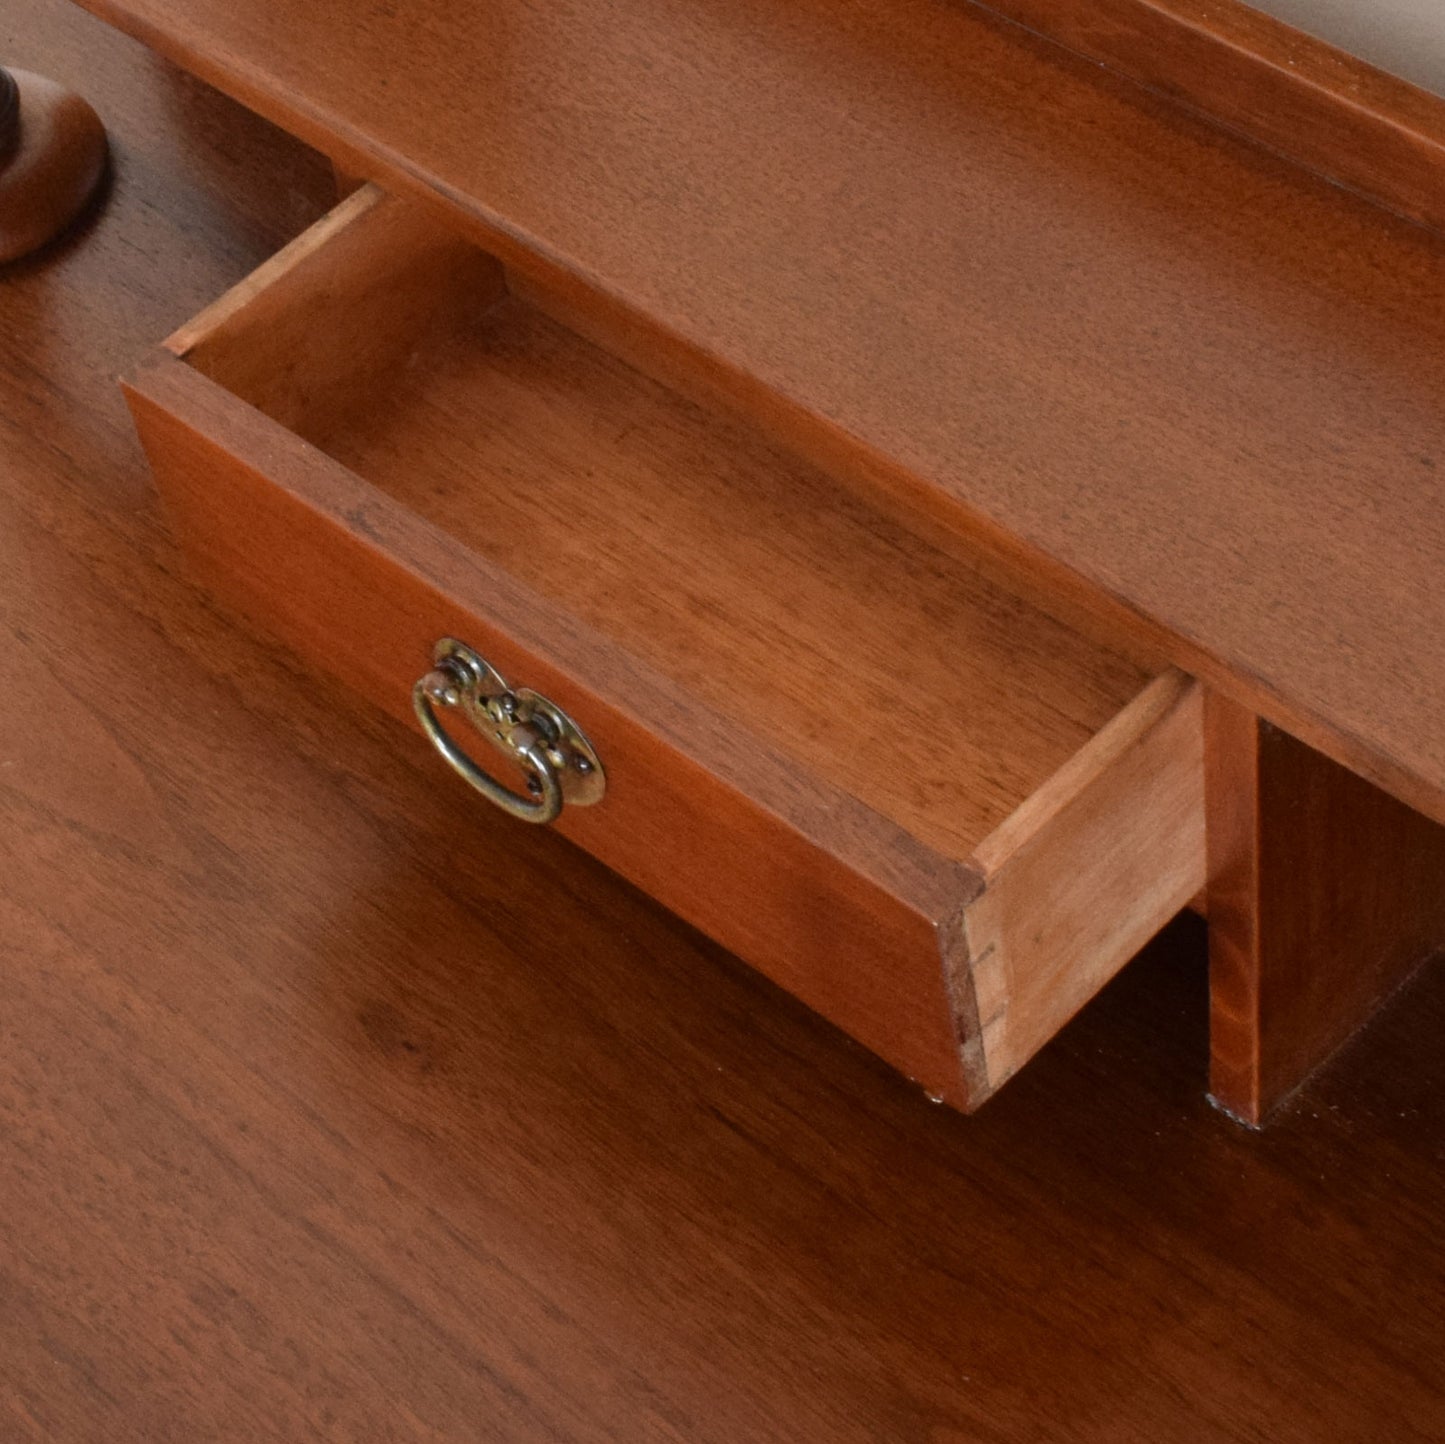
843 909
956 958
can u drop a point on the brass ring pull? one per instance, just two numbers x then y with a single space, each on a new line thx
440 687
559 763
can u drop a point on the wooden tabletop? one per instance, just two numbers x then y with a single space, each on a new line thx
334 1106
1166 369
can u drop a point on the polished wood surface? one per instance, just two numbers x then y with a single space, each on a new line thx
318 1123
842 906
825 744
1085 873
52 161
1191 383
817 622
1328 110
1324 896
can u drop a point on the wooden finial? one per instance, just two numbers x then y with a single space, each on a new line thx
9 115
52 157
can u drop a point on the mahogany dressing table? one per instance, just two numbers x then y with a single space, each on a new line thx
920 503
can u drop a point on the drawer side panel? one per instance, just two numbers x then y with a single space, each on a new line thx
1086 873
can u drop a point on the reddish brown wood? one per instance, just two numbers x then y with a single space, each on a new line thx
1269 82
932 812
312 1126
840 906
52 158
1325 894
820 625
1180 379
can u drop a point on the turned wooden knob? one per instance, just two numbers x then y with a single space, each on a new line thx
52 157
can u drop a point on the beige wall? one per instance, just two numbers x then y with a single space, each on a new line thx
1403 36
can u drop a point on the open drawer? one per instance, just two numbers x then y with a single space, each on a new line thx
931 811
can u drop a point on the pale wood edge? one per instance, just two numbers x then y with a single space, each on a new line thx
1120 735
338 312
1086 872
182 341
1316 105
963 1006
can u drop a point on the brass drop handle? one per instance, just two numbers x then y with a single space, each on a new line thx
558 761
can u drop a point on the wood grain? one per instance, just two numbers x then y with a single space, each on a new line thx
808 718
893 671
1190 385
1325 894
1085 871
313 1127
840 906
1270 83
